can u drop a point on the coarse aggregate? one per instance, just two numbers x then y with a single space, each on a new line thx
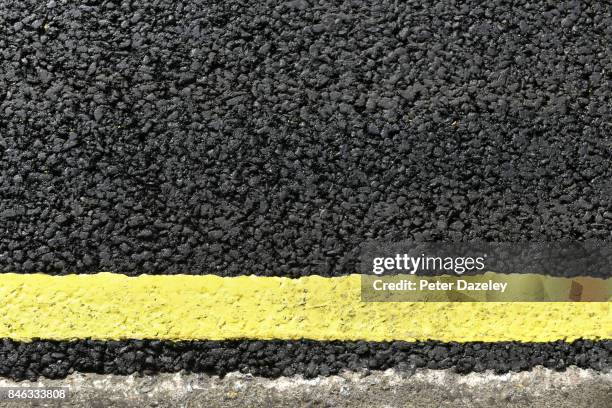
57 359
275 137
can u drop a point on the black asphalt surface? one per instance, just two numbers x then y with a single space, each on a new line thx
275 137
51 359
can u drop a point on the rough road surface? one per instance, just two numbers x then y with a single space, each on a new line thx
275 137
53 359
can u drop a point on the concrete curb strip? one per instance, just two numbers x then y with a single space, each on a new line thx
426 388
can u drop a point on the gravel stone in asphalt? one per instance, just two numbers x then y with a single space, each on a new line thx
275 137
53 359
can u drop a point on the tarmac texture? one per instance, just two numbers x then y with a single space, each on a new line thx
273 359
275 137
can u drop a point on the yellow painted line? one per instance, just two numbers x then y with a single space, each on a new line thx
180 307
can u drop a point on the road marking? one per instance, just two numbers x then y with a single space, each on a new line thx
181 307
